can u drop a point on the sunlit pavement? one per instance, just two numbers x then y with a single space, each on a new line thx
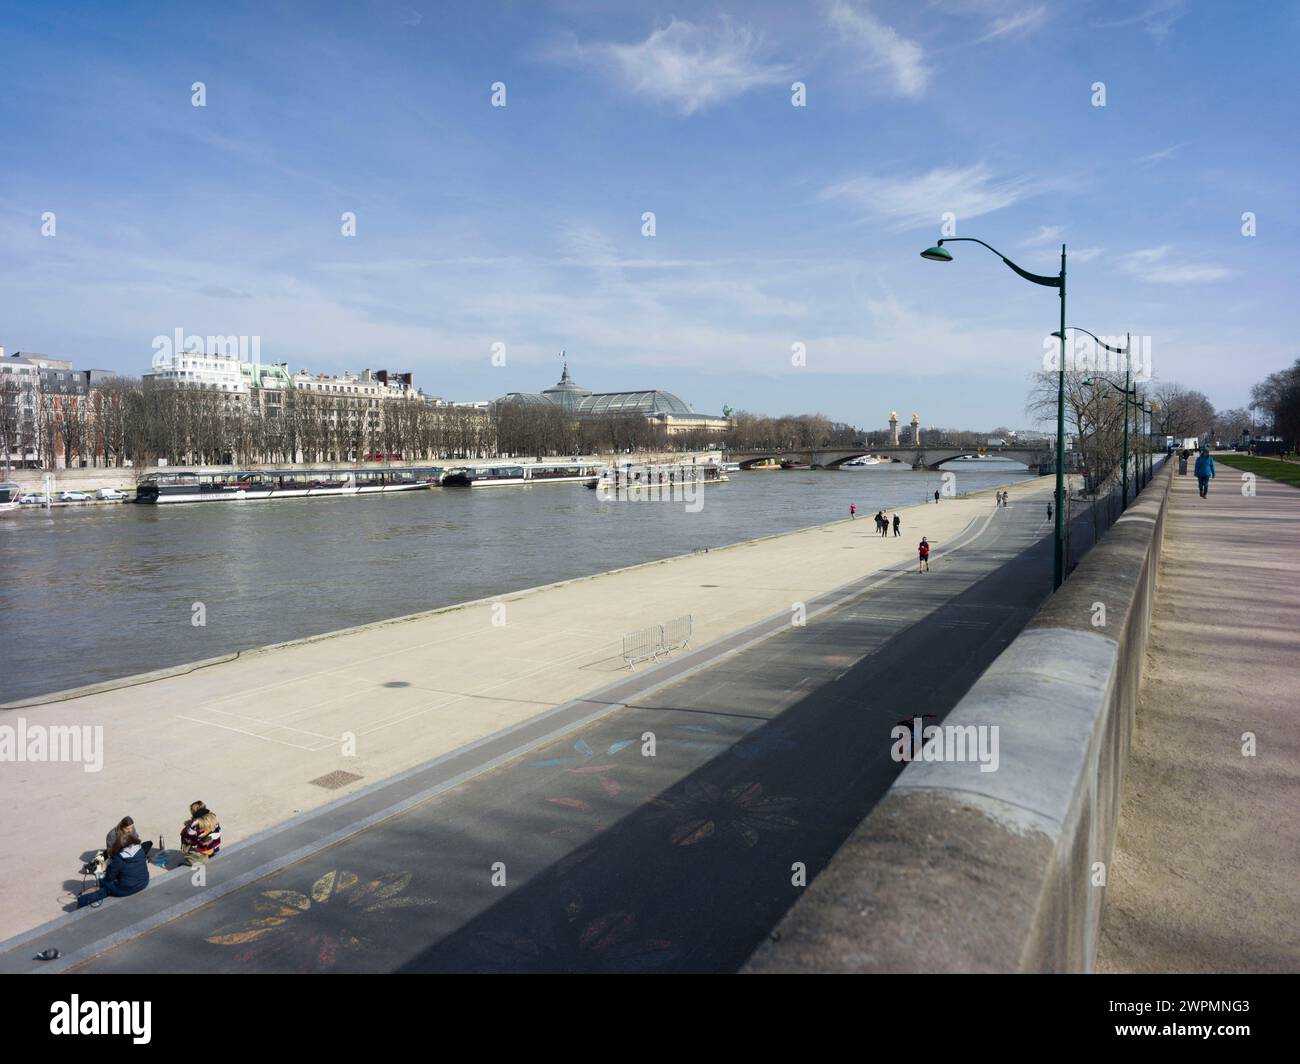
1208 853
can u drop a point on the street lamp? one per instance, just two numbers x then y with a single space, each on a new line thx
939 253
1150 410
1126 391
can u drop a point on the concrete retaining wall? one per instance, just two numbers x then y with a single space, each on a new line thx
962 870
90 478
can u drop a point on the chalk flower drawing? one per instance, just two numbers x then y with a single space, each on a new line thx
321 924
575 943
704 810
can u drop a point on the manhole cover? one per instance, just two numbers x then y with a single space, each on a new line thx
332 781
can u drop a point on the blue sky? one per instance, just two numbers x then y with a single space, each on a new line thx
775 224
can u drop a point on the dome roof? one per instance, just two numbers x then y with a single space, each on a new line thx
566 391
569 395
648 403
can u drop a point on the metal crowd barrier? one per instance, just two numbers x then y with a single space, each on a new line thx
648 643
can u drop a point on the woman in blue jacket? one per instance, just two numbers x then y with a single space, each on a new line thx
128 871
1204 471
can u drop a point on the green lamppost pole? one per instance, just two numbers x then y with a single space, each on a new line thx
1150 410
1126 391
939 254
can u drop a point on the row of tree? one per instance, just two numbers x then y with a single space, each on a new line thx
1095 412
122 421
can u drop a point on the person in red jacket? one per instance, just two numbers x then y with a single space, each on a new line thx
201 835
923 552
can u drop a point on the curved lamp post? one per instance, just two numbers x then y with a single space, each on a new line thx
1150 410
1126 391
939 253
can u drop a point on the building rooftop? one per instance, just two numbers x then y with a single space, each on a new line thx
569 395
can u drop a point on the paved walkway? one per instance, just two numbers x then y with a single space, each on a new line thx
250 736
590 850
1207 861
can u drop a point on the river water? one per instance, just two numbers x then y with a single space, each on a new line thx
93 593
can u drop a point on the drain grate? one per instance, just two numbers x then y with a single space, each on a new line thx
332 781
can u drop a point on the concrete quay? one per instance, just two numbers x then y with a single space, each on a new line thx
962 870
124 477
251 733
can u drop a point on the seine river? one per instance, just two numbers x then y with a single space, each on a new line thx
97 592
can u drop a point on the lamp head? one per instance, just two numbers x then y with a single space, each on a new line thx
938 253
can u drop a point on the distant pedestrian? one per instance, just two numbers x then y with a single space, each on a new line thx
853 511
936 495
1049 511
880 519
1204 471
884 524
923 559
897 524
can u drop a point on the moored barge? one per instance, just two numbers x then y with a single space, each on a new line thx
199 485
523 473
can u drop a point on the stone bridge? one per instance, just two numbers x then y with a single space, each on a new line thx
1039 459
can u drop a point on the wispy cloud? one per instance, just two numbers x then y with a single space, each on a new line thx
883 46
1161 266
922 200
1047 234
1020 24
689 66
1157 19
1162 155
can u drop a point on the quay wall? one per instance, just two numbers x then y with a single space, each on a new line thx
124 478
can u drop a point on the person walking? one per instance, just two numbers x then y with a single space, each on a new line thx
936 495
1204 471
884 524
897 524
923 556
1049 511
853 511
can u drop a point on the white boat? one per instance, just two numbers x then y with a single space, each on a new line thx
523 473
645 479
199 485
861 463
10 493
